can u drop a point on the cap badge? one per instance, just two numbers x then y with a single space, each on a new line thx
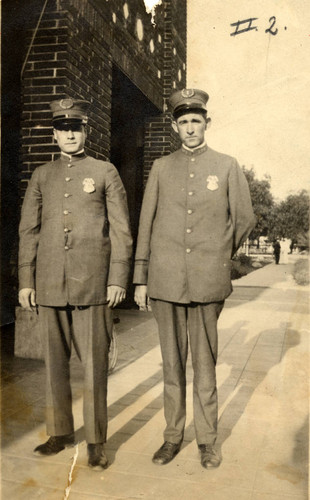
89 185
212 182
188 93
66 103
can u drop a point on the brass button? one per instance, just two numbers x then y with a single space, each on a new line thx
66 195
66 247
190 193
189 211
188 250
192 159
192 175
66 212
188 230
66 230
68 179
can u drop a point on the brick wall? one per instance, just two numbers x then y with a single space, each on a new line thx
72 53
160 139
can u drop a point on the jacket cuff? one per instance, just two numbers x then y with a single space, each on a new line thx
140 273
26 276
119 274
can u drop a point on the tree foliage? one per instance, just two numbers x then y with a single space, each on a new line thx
262 201
287 219
290 218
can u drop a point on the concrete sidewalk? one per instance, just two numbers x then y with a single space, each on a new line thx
263 410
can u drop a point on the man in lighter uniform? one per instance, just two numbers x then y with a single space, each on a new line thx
74 262
196 213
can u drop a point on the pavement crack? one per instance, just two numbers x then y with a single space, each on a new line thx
70 477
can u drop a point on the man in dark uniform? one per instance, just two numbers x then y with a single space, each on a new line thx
74 262
196 212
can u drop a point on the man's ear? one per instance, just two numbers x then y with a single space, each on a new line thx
174 126
54 133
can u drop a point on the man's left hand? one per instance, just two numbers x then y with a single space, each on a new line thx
115 295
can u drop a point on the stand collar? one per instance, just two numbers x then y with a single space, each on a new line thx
73 158
194 151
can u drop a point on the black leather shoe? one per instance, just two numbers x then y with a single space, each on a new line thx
55 444
166 453
209 456
96 456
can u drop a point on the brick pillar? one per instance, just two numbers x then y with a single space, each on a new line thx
43 79
160 139
69 56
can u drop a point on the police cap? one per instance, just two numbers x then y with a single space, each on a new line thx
69 111
188 99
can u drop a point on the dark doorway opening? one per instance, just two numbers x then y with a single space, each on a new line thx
130 109
17 18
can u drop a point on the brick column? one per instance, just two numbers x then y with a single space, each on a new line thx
69 56
160 139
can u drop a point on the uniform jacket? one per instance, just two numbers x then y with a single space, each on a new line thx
196 212
74 232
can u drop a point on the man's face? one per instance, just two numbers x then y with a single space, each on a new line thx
70 137
191 128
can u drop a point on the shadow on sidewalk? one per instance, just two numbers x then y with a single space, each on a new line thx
235 393
251 378
23 380
135 424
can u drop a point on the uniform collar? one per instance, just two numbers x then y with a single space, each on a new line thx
194 151
73 158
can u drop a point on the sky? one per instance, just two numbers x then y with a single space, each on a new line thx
258 83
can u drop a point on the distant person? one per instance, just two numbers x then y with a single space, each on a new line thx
276 251
196 213
74 262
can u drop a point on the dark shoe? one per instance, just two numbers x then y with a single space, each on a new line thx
55 444
209 456
96 456
166 453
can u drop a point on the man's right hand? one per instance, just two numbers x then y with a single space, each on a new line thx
27 298
141 298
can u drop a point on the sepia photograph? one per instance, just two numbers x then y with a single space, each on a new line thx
155 249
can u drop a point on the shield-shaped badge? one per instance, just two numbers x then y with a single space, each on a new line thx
212 182
89 185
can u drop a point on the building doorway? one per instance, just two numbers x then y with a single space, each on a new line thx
130 108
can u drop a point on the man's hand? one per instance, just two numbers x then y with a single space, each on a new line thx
27 298
141 298
115 295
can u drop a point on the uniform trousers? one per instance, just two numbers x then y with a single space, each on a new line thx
176 324
89 330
